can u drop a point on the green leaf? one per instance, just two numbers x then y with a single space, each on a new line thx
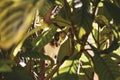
61 21
101 20
114 45
103 11
5 4
27 45
113 11
66 76
15 19
26 37
68 71
115 31
4 67
18 73
117 2
76 54
105 67
44 38
83 19
65 12
49 4
64 51
86 67
115 57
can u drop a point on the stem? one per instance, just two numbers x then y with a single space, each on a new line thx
94 38
42 70
98 40
95 8
42 67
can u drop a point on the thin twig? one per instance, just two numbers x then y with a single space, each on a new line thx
94 37
98 38
42 67
42 70
95 8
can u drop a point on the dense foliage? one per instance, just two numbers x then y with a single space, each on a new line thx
59 40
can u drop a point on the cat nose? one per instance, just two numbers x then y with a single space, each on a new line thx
46 64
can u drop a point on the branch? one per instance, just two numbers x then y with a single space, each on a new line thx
42 70
98 39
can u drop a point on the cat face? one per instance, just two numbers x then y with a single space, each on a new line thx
52 48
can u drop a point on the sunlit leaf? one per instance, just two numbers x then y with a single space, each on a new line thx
86 68
105 67
15 20
82 32
66 76
46 37
76 54
23 38
20 44
67 71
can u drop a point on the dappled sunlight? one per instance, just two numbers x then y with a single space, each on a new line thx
59 40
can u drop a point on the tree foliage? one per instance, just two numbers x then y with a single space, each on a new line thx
59 39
